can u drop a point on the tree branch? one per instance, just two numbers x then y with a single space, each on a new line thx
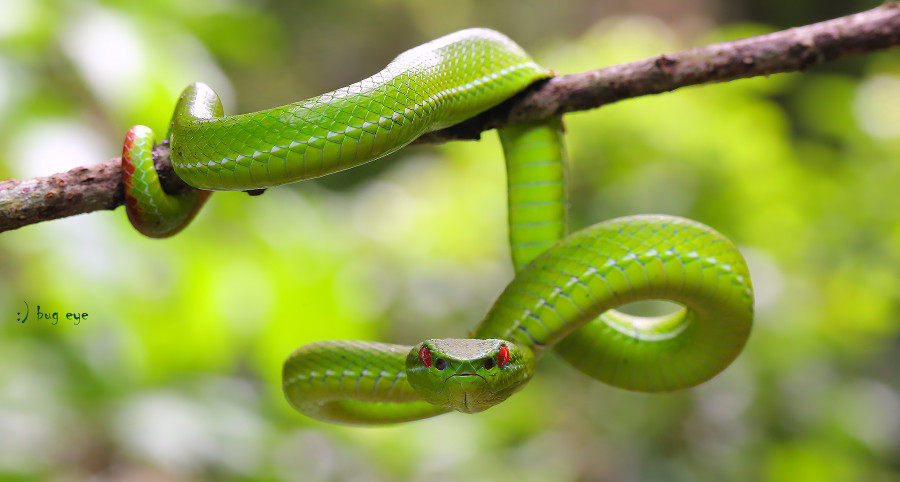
86 189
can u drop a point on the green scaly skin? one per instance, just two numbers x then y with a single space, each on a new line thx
564 292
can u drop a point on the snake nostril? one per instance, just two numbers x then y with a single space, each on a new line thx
488 363
440 364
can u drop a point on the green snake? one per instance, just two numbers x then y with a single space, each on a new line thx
566 288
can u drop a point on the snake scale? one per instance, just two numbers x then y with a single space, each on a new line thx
566 287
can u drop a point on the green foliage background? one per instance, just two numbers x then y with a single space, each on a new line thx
175 373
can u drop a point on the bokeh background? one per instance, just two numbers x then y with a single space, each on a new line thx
175 373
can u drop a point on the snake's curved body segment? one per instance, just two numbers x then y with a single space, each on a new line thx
593 271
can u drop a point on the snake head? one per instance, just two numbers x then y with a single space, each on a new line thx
468 375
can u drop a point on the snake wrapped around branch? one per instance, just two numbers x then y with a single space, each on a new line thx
566 289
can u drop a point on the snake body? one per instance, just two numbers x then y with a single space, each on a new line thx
566 288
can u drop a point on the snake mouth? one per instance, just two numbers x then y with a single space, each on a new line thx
468 375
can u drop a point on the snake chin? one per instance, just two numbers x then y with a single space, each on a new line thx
471 393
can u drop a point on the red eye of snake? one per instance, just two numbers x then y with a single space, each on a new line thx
425 356
503 356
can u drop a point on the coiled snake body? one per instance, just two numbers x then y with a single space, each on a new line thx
565 289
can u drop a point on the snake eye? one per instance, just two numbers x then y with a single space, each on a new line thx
425 356
488 363
503 356
440 364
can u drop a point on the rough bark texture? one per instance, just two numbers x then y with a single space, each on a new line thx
86 189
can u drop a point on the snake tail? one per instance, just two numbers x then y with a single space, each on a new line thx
620 261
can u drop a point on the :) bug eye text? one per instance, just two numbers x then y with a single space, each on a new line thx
51 317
